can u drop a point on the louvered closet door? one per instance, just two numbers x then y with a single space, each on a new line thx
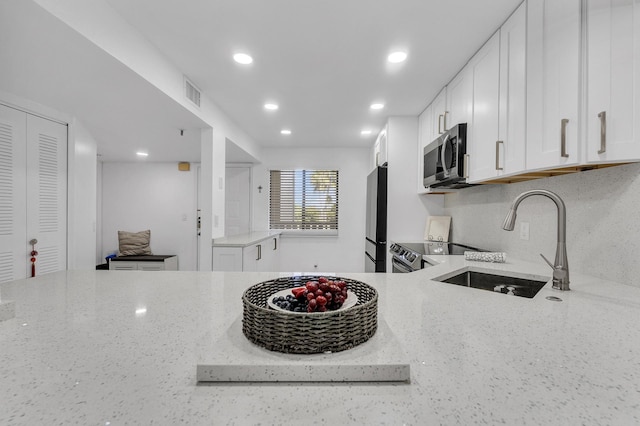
13 258
47 193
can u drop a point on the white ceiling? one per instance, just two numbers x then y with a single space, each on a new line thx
45 61
323 62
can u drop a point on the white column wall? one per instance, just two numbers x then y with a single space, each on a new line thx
82 205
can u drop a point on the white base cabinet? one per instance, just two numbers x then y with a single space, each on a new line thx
260 256
155 263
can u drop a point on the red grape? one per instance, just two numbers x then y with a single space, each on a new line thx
321 300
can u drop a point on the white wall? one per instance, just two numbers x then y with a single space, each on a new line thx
603 233
82 175
408 211
156 196
343 253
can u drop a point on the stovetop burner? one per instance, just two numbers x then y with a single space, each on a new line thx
435 247
410 254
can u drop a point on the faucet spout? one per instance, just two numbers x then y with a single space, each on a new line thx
561 264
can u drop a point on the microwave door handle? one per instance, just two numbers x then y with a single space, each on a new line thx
443 149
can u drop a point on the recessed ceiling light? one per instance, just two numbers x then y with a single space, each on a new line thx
271 107
285 131
142 154
377 106
365 132
242 58
397 57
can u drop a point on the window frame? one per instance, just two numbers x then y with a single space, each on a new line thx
303 232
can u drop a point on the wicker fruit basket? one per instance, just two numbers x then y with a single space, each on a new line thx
308 333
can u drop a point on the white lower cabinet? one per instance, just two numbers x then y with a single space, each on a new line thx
159 263
261 256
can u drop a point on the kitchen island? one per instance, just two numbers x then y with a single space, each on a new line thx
112 347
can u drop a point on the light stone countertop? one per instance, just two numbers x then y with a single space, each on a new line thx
243 240
120 347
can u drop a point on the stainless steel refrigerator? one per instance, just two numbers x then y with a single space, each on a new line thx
376 221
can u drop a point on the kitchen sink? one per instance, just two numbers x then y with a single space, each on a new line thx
497 283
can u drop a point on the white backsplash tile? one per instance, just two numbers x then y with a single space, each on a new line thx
603 220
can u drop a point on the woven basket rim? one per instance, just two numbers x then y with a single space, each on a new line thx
373 299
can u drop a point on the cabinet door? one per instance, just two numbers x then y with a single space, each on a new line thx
553 76
13 190
227 258
459 98
123 265
274 254
511 150
425 133
439 110
613 82
483 132
251 258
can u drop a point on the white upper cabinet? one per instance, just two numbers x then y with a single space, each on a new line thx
459 98
483 131
497 141
439 113
613 81
511 148
425 134
553 83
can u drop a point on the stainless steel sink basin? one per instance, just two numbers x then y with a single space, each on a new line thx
497 283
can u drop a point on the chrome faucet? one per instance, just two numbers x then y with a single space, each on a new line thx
561 265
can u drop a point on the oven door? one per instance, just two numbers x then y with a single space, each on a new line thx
399 267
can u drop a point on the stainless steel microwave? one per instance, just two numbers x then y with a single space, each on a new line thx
445 164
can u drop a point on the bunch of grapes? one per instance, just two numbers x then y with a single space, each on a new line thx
320 296
324 294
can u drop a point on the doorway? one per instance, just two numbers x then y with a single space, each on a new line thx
237 200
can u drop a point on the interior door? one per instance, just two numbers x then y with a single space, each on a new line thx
46 193
13 257
237 201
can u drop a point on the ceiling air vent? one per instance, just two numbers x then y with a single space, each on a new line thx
191 92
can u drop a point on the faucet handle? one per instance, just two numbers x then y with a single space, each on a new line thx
547 260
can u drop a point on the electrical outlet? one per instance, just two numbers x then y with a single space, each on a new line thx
215 221
524 230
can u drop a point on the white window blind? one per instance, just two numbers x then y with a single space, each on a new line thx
304 200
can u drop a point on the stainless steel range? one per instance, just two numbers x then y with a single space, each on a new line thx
407 257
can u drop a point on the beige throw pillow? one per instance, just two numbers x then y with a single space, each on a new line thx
134 243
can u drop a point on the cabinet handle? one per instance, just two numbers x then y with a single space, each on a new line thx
259 252
498 155
439 124
275 244
603 132
563 137
466 166
445 120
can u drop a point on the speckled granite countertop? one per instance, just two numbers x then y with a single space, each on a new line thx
243 240
117 347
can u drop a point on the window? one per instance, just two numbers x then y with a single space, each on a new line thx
304 200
